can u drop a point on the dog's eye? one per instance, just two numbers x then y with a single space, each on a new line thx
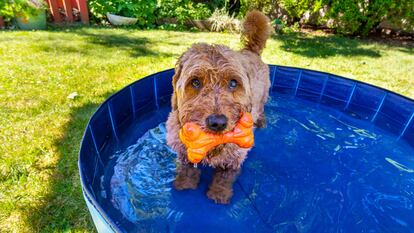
196 83
232 84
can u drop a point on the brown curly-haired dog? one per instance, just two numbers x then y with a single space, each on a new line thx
212 86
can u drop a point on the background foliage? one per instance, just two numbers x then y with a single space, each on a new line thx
355 17
141 9
352 17
183 10
360 17
149 11
6 10
12 8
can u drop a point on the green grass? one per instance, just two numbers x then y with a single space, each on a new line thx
40 128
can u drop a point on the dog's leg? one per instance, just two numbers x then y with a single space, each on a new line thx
187 176
221 188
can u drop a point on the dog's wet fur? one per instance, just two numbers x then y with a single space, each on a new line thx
211 81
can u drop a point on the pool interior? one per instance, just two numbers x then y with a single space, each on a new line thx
313 169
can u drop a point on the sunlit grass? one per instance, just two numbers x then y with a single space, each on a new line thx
40 128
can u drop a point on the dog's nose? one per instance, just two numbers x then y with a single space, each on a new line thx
216 122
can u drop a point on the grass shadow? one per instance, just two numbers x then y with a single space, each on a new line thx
136 46
324 46
63 208
124 41
409 50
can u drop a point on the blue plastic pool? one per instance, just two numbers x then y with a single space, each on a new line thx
337 156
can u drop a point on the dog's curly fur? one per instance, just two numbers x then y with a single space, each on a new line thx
215 66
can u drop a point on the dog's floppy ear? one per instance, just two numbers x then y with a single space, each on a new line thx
174 84
179 70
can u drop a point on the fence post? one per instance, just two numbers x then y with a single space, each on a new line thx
83 9
55 11
1 22
68 10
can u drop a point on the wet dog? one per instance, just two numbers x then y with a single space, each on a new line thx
212 86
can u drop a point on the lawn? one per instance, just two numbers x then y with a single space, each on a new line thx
40 128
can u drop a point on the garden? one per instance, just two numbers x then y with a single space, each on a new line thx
356 18
53 79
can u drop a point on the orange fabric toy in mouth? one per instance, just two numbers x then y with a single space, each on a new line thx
199 143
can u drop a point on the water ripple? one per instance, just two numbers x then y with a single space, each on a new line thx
142 176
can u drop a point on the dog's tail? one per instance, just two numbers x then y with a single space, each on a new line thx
256 30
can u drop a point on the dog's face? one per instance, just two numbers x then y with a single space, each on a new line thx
211 88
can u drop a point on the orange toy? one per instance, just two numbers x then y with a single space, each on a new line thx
199 143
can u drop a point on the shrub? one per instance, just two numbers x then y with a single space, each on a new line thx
11 8
354 17
358 17
182 10
22 8
143 10
148 11
6 10
265 6
28 7
296 9
222 21
402 14
290 11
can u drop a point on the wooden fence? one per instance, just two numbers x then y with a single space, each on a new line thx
69 11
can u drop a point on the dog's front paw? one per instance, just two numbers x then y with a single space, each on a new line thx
187 179
220 195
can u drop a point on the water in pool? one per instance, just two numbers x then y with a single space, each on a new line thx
313 169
